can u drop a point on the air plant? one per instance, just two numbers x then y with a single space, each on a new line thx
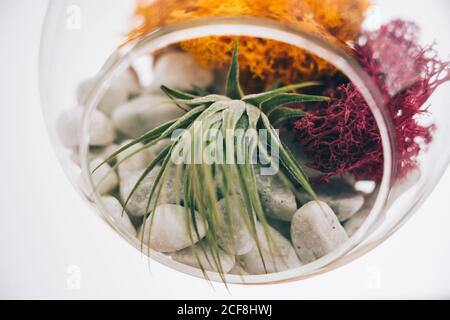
199 181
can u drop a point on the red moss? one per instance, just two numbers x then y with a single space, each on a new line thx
343 136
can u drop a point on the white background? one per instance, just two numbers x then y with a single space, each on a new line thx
48 234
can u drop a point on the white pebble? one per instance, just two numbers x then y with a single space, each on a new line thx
355 222
138 202
143 68
352 225
118 93
178 70
233 234
94 153
101 130
345 207
277 199
104 178
169 229
131 163
191 258
282 256
119 216
160 146
129 79
316 231
142 114
365 186
339 195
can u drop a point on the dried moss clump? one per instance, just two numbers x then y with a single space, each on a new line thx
343 137
264 61
342 18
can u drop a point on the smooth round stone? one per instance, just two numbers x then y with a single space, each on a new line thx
169 229
173 187
316 231
191 258
137 204
142 67
125 85
120 217
179 70
277 199
160 146
345 207
104 178
343 199
354 223
142 114
95 153
131 163
138 201
365 186
283 257
101 130
233 234
141 159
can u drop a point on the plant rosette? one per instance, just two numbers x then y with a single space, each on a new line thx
210 191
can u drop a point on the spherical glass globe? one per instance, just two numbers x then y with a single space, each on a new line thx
92 51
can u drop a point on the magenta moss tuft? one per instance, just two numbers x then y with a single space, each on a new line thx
343 137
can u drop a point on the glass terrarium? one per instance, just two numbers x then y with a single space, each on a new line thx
249 141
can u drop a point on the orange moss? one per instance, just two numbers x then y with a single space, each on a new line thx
262 61
342 18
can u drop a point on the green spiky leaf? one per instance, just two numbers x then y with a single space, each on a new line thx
233 87
282 99
183 122
283 114
288 160
258 98
177 94
147 138
159 158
